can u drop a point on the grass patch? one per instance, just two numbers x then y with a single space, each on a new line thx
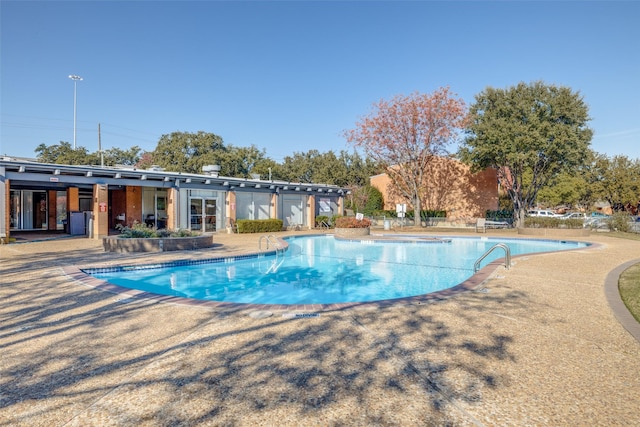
622 235
629 286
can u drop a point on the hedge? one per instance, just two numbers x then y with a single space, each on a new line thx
541 222
259 225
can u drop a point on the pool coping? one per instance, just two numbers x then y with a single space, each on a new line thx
78 274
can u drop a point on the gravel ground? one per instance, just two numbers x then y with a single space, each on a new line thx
539 346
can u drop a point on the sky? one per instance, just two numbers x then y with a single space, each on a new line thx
292 76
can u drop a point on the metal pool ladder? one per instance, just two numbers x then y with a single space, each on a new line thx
507 256
272 240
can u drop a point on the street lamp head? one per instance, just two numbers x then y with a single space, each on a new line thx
74 77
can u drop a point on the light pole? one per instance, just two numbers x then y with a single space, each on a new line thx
75 84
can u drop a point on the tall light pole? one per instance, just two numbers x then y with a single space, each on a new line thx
75 84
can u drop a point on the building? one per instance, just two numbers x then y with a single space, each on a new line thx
93 200
450 186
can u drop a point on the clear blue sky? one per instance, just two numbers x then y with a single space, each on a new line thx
291 76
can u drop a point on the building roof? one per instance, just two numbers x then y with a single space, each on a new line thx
52 175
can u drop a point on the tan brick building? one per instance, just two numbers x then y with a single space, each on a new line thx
452 187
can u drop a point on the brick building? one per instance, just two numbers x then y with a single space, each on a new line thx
451 186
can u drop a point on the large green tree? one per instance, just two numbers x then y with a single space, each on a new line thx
529 133
406 133
345 169
64 154
188 152
615 179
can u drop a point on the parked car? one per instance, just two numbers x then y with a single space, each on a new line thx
599 215
542 213
597 220
574 215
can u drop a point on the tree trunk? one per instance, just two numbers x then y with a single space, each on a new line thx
520 214
416 212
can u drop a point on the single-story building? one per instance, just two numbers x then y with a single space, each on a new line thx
93 200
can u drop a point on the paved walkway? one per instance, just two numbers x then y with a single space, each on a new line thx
540 346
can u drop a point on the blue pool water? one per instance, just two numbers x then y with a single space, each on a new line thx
323 270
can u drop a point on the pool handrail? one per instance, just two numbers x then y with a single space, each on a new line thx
507 256
271 240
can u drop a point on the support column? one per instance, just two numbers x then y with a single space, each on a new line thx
274 206
172 209
73 199
231 211
100 211
311 212
52 212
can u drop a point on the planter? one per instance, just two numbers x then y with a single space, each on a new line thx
352 232
152 244
555 232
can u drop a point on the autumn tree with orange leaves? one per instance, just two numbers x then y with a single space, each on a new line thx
406 133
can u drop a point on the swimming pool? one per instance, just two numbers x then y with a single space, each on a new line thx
325 270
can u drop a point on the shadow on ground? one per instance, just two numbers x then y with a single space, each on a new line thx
81 355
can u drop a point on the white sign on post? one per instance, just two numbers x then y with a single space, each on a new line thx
401 209
359 216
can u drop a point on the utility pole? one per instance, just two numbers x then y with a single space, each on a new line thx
75 85
100 147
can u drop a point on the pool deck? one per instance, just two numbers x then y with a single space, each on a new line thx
538 344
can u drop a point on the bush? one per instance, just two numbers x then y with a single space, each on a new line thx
500 215
620 221
542 222
142 231
352 222
259 225
322 218
429 213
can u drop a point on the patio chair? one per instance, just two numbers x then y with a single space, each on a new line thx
481 224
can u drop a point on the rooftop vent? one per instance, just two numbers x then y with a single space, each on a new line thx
212 170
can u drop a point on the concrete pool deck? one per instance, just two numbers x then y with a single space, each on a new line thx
538 345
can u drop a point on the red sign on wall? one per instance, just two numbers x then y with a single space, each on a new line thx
103 206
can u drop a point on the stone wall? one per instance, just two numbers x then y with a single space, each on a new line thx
166 244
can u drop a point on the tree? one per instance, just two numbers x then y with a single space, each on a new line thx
116 156
365 199
530 133
568 189
344 170
405 134
188 152
615 179
64 154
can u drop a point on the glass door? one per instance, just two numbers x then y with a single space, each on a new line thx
210 214
203 214
196 214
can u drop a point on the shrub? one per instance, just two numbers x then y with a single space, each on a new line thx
428 213
320 219
620 221
142 231
542 222
259 225
352 222
500 215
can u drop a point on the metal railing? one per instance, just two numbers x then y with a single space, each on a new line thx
507 256
272 240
